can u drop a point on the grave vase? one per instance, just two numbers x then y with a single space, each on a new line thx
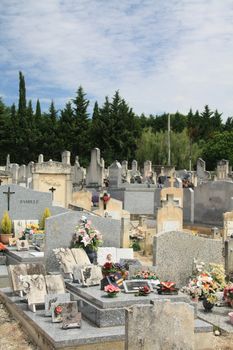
92 255
4 237
207 305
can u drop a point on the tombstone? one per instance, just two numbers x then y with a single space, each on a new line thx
23 203
170 216
163 325
55 175
79 173
223 169
14 169
228 256
188 207
178 249
175 191
66 157
82 199
41 158
124 169
115 174
95 171
134 168
22 179
227 225
202 174
29 174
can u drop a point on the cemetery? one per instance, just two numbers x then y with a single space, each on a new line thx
117 257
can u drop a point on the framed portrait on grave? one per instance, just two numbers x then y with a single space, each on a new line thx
19 227
132 286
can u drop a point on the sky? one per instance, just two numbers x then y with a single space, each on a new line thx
162 55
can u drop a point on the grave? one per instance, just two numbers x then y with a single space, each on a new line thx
227 225
223 169
115 171
170 216
178 249
82 199
95 171
202 174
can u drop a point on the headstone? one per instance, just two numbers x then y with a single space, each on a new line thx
55 284
40 158
223 169
25 204
60 230
79 173
170 216
95 171
178 249
124 169
54 298
202 174
227 225
163 325
134 168
82 199
60 310
22 179
115 174
66 157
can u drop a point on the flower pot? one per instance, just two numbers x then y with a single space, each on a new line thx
207 305
112 295
4 237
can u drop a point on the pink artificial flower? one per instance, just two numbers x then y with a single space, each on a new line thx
86 240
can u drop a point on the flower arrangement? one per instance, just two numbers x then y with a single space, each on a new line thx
167 288
228 294
110 268
111 290
147 275
143 291
86 236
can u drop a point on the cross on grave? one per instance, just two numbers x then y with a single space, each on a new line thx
170 200
52 189
1 181
8 193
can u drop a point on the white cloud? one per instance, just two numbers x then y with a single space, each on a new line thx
163 55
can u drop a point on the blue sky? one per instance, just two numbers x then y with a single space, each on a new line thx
162 55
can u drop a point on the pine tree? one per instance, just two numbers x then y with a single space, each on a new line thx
66 128
38 110
81 126
22 106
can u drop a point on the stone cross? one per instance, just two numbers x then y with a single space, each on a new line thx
52 189
8 193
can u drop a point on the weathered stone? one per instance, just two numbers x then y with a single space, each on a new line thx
164 325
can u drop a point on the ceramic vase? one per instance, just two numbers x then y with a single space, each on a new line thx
207 305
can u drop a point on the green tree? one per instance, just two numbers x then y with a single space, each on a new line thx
66 128
81 147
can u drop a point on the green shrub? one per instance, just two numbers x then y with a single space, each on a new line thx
46 214
6 223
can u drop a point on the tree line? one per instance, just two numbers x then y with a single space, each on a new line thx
114 128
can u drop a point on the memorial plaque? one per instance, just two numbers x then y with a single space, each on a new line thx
35 289
60 310
15 271
132 286
54 298
55 284
72 321
80 256
22 245
19 227
35 269
91 275
65 259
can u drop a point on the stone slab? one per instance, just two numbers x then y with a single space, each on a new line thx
217 317
18 257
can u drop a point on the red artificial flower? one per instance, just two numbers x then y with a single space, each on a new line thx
2 246
58 310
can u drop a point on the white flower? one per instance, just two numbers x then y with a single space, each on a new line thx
86 240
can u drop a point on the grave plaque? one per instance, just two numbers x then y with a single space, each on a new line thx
55 284
22 245
54 298
35 269
14 272
60 310
65 259
35 288
19 227
72 321
91 275
80 256
132 286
